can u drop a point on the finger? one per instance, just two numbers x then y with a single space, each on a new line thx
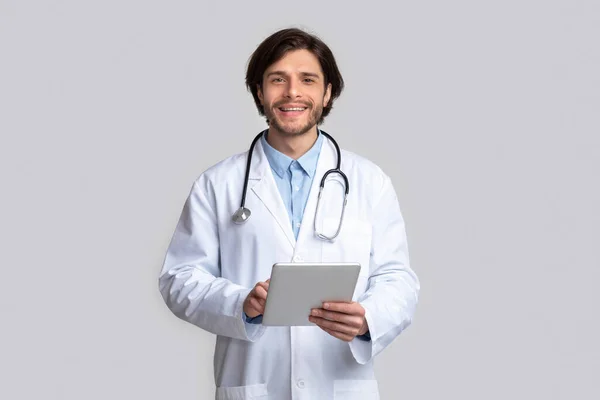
256 305
263 285
352 308
335 326
337 316
253 301
260 292
339 335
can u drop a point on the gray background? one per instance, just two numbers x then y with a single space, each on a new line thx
485 115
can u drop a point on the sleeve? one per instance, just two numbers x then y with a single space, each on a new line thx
190 281
393 288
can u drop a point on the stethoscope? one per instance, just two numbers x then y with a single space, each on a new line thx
243 213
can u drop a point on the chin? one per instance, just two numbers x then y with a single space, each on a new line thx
293 127
296 132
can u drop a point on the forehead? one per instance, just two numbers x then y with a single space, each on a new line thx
297 61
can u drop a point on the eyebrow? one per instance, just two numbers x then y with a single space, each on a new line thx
311 74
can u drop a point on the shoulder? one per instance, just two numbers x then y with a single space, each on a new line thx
222 171
365 169
354 160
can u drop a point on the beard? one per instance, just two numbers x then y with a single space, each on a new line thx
294 128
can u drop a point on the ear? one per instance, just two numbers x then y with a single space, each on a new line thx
327 95
260 94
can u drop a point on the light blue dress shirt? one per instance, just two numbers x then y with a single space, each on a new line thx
294 179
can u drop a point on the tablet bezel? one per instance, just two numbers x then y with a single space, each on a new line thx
289 301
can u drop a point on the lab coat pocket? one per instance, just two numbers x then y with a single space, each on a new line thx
258 391
360 389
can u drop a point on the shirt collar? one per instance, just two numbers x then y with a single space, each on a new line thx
280 162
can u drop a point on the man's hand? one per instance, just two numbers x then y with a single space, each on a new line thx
342 320
254 305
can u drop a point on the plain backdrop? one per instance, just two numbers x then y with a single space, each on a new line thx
485 114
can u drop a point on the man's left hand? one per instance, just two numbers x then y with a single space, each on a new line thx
342 320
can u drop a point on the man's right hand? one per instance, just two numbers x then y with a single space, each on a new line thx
254 305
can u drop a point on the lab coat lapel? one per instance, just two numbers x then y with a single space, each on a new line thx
327 160
265 188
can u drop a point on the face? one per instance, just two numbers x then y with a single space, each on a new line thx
293 93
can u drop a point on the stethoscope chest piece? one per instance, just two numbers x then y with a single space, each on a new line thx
241 215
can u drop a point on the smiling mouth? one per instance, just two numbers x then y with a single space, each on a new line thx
292 109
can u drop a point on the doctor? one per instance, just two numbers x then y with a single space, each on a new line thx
215 273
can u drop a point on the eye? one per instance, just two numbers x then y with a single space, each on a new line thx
277 80
309 80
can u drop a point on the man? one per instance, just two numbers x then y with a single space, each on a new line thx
215 273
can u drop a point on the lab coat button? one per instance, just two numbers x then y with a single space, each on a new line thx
297 258
300 383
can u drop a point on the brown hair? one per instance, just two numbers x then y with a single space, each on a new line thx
274 48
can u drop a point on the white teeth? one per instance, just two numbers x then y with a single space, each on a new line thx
293 109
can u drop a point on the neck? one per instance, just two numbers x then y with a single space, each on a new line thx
293 146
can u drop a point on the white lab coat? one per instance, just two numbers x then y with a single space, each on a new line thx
212 264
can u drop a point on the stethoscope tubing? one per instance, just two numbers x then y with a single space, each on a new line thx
242 214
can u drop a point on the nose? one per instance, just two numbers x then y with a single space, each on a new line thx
293 89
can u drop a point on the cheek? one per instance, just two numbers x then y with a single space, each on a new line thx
319 98
270 96
268 102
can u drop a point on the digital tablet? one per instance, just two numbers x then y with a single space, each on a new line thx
296 288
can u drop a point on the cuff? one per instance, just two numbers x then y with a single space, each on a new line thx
362 348
252 331
253 320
